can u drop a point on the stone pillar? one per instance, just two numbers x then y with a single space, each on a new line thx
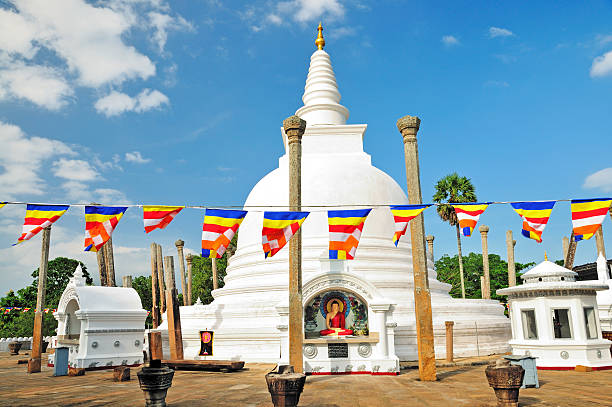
189 259
109 258
102 267
484 230
175 335
565 245
215 276
430 240
34 362
380 322
127 281
571 253
294 129
408 127
155 293
599 242
160 279
510 243
179 247
482 287
449 340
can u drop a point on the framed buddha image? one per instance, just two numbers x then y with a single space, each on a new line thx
335 314
206 343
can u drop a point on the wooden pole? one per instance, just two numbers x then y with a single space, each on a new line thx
484 230
215 276
408 127
155 293
449 340
160 279
189 277
294 129
34 362
179 247
599 242
110 262
511 265
173 313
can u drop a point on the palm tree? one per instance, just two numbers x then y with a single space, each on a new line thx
454 189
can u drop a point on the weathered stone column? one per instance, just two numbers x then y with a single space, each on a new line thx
408 127
482 287
189 259
175 335
294 129
109 258
127 281
34 362
155 293
449 340
599 242
102 267
430 240
571 253
160 279
181 258
484 230
215 276
511 265
565 246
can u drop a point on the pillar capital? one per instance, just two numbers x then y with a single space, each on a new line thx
189 258
449 323
484 229
408 126
179 243
294 128
429 238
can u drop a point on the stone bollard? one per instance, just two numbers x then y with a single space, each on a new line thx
285 386
14 347
121 374
154 381
449 340
506 381
76 371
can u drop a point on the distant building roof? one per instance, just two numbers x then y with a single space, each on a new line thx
588 271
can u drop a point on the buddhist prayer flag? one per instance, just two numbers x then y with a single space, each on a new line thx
100 222
39 217
587 216
535 216
2 204
278 228
26 309
402 215
220 226
468 214
345 228
158 217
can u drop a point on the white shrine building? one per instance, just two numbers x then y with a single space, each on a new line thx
555 319
249 314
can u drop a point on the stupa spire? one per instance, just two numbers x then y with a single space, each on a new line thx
321 96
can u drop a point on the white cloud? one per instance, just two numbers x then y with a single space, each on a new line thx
340 32
89 43
74 170
274 19
116 103
499 32
111 196
601 179
450 40
301 11
136 157
602 65
21 160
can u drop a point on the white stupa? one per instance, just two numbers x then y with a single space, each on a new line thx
248 315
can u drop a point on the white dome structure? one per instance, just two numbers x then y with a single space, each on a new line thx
249 313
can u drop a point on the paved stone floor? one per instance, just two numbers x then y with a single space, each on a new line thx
457 386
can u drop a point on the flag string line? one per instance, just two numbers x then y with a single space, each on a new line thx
285 207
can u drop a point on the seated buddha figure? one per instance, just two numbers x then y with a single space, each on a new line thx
335 322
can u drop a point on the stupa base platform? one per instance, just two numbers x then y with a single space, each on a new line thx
194 365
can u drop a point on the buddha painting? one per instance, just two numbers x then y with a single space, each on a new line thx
335 320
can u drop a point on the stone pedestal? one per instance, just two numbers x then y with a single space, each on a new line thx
285 386
155 382
506 381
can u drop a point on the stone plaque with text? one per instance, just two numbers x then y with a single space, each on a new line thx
337 350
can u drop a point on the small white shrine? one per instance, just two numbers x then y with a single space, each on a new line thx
604 298
555 319
102 327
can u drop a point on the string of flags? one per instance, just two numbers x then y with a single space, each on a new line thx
8 310
345 225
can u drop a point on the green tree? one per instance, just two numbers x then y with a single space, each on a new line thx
15 323
454 189
447 269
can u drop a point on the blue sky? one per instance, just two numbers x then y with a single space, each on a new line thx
146 101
